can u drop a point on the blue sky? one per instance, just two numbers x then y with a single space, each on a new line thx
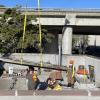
54 3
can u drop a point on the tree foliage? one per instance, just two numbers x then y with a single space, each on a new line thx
11 32
2 6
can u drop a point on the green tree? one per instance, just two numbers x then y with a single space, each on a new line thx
11 32
2 6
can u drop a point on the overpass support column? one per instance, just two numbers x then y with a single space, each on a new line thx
67 41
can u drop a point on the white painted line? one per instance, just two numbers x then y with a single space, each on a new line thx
89 93
16 93
34 93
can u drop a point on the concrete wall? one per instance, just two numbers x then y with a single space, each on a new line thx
36 58
71 20
67 40
91 40
48 58
94 40
88 21
51 21
97 40
53 59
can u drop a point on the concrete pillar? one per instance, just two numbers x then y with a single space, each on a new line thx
67 41
60 48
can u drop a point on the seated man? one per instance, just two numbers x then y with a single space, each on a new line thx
53 85
33 80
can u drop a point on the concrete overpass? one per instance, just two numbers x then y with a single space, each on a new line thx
67 22
71 22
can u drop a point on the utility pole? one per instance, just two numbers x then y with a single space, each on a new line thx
60 49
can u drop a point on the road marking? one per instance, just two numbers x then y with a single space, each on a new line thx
34 94
16 93
89 92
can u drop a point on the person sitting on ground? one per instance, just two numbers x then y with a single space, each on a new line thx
53 85
33 80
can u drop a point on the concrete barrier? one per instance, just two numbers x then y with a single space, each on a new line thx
60 95
53 59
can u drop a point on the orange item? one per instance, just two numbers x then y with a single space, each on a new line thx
34 76
82 72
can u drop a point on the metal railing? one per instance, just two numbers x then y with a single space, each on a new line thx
91 10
